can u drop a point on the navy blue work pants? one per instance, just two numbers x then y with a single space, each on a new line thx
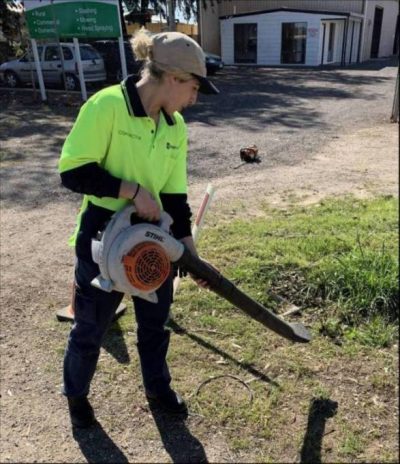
94 311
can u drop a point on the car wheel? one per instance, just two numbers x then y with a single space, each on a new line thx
71 82
11 79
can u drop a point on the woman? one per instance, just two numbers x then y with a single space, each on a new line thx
129 144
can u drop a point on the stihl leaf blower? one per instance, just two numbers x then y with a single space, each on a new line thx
135 258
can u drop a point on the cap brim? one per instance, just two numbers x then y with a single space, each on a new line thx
206 86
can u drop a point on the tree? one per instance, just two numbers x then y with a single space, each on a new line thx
12 24
187 7
11 20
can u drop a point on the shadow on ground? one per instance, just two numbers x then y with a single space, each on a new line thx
178 441
320 411
179 330
97 446
114 344
255 98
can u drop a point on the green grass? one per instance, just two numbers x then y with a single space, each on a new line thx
340 256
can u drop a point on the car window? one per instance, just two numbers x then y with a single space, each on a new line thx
67 53
88 53
52 54
29 55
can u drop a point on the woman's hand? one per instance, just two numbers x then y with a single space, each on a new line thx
189 243
200 282
145 204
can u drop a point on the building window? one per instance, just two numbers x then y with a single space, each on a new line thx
294 36
245 38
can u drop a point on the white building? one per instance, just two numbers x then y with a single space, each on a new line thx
301 36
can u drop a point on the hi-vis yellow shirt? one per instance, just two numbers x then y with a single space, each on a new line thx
113 130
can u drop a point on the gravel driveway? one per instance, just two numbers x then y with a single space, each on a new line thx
288 114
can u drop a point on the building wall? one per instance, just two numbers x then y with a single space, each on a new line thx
229 7
390 13
209 31
209 22
211 28
269 36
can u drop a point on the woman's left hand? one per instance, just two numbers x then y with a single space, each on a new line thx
200 282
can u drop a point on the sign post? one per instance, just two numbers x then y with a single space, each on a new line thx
80 70
38 69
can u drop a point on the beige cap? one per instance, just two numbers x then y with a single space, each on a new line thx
179 51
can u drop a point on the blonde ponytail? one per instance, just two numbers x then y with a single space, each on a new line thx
142 45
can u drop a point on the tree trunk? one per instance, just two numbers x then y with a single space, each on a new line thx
144 6
171 15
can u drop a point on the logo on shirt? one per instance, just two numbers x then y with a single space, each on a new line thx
171 147
132 136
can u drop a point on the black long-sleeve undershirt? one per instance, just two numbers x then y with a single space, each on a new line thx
91 179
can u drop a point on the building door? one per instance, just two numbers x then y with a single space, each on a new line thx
331 42
376 32
245 40
293 48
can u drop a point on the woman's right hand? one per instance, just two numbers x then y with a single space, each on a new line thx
146 206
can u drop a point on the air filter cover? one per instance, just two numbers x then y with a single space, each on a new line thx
147 266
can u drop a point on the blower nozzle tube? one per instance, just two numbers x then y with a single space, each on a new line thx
295 332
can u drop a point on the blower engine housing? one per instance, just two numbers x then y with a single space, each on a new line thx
135 259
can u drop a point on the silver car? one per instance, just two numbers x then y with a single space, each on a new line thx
19 71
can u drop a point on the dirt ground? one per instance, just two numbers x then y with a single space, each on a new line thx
359 158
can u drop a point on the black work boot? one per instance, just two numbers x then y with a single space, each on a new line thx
81 412
169 400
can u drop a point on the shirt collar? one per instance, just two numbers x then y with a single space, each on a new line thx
134 103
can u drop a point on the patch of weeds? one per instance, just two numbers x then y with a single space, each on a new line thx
321 393
240 443
389 456
300 369
383 381
332 327
60 351
288 282
376 333
351 349
352 445
209 321
363 282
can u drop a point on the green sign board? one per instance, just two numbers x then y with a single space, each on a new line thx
69 18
